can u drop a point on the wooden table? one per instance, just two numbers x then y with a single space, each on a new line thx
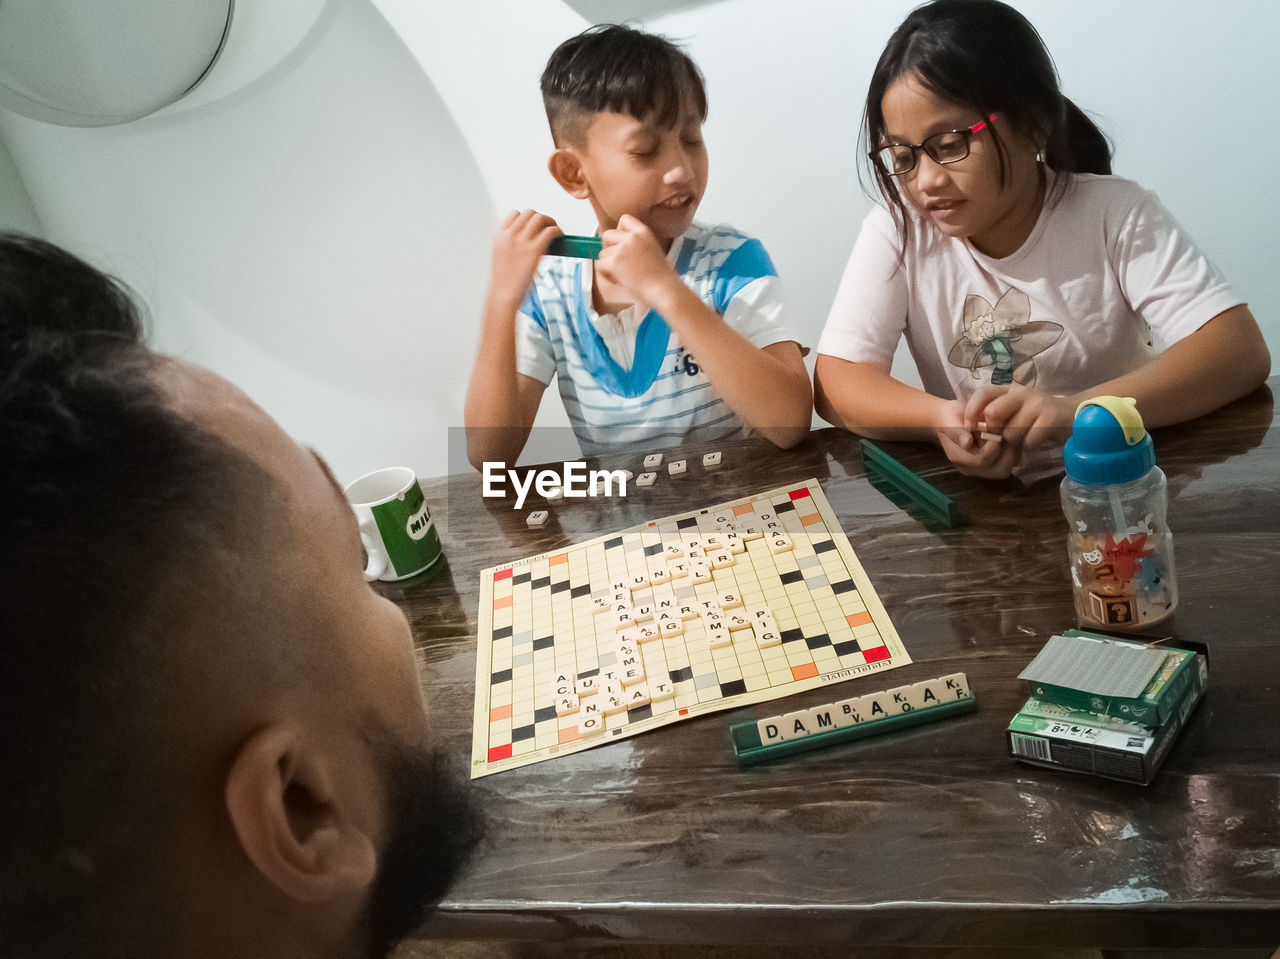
932 835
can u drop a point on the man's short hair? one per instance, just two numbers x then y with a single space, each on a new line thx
618 69
116 509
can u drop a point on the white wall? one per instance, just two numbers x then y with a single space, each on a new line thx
320 233
315 231
16 210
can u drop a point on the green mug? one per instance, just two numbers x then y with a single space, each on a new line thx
399 536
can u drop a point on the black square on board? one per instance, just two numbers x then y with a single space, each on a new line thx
735 687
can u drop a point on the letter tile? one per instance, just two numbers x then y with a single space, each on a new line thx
770 730
730 599
661 690
822 718
566 705
767 636
795 725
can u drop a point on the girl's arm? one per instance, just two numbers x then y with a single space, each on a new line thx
1220 362
866 399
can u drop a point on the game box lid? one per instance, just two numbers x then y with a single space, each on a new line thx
1115 676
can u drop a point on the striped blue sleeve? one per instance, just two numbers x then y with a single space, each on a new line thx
747 263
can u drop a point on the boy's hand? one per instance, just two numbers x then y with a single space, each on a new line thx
521 242
631 258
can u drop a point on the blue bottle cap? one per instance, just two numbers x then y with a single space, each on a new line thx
1108 443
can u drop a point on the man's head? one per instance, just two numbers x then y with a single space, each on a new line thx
214 738
626 110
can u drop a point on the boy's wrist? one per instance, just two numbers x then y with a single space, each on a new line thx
668 294
504 302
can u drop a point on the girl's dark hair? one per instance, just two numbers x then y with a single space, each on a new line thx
985 55
618 69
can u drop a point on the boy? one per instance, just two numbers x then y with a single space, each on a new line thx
678 332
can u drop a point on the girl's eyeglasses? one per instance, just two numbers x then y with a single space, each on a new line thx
949 147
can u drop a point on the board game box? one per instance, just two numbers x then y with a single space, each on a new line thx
1051 734
712 609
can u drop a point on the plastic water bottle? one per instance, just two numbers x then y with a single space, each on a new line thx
1115 501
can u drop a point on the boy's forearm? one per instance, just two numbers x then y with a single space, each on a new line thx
495 445
491 393
497 424
770 394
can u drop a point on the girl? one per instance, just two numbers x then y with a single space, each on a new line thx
1024 277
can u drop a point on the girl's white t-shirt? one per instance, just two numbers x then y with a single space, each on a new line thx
1106 278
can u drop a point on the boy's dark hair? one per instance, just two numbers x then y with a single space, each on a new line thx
618 69
985 55
118 514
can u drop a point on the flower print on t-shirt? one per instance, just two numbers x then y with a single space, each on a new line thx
1003 337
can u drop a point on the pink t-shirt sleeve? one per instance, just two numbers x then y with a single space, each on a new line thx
869 314
1165 277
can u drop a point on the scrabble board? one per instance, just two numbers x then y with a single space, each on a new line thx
711 609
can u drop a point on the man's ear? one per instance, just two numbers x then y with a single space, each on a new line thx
291 817
566 167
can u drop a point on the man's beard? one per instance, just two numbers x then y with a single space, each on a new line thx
433 827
